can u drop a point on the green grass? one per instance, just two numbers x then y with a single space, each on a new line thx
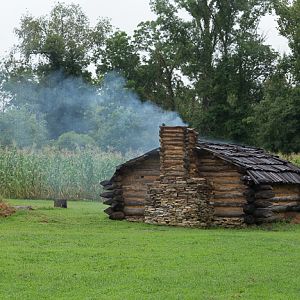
78 253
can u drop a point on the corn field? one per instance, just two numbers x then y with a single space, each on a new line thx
51 174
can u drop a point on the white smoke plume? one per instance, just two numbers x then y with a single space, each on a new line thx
110 113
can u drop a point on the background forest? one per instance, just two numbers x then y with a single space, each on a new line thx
67 85
66 81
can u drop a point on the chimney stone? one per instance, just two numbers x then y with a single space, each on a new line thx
179 197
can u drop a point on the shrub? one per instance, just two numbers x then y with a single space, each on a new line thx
72 140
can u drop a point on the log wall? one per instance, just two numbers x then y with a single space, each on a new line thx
113 196
135 184
286 202
270 203
228 190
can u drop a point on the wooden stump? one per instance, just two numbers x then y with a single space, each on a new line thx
62 203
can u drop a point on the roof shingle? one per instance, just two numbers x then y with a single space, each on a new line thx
262 167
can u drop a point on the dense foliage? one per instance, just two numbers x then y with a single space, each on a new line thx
51 174
68 83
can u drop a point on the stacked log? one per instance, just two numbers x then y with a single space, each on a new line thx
113 197
264 206
178 198
228 189
191 141
258 203
177 152
286 203
125 193
135 186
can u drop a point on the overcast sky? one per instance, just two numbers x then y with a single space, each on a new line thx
124 14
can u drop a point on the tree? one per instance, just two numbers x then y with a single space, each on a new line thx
219 55
72 141
119 55
62 41
48 70
278 115
161 43
22 128
289 27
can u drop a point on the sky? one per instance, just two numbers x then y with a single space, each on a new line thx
124 14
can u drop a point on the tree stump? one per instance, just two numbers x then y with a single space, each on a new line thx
62 203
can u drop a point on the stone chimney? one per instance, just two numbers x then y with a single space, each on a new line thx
177 152
179 197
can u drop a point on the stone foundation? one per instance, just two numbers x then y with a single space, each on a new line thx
179 202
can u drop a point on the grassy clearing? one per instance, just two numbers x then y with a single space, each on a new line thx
79 254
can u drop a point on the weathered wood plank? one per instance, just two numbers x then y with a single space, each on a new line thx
105 183
285 208
117 216
222 168
263 213
285 199
262 203
134 211
230 196
224 181
286 189
228 211
231 174
108 211
227 204
134 196
130 202
265 194
229 214
249 208
107 194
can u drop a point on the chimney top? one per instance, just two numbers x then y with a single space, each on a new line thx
177 151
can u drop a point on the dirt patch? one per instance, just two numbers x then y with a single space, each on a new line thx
6 210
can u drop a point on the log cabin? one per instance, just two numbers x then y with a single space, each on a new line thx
194 183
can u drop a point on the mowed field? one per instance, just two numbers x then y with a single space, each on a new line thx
77 253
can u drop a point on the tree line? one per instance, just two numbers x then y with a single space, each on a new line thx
212 67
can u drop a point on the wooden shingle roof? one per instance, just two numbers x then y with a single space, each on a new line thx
259 165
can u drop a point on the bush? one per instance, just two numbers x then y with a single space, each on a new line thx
72 140
22 128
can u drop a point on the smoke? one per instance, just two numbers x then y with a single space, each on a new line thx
130 122
110 113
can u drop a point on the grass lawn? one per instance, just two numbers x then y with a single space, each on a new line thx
77 253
